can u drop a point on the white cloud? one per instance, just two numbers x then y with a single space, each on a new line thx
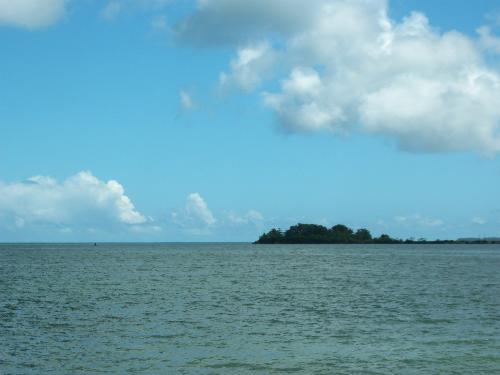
159 23
419 220
488 41
352 68
195 217
196 207
300 104
151 4
80 201
186 100
229 21
31 14
111 10
146 229
479 220
114 8
251 217
253 63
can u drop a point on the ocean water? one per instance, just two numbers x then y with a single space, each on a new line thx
247 309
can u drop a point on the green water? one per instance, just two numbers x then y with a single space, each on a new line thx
245 309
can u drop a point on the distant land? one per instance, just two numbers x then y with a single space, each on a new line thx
342 234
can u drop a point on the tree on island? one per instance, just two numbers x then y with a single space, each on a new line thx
319 234
273 236
341 234
363 235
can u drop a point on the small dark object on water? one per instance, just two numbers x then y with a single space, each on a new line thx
95 243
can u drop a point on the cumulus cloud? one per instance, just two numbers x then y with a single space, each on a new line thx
303 103
252 63
488 41
196 217
80 201
231 21
30 14
197 208
350 67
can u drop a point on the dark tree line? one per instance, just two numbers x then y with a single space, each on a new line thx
340 234
319 234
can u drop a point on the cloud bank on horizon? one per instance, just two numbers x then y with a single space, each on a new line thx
80 201
345 65
84 204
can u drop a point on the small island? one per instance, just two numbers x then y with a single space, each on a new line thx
342 234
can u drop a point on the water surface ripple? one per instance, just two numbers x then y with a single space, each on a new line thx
245 309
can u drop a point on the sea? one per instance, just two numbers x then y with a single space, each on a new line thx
237 308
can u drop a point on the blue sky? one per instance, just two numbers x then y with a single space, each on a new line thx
152 120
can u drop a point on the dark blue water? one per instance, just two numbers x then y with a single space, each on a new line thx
246 309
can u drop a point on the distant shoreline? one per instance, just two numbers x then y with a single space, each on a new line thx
313 234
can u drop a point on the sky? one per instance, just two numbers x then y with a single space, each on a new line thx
217 120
